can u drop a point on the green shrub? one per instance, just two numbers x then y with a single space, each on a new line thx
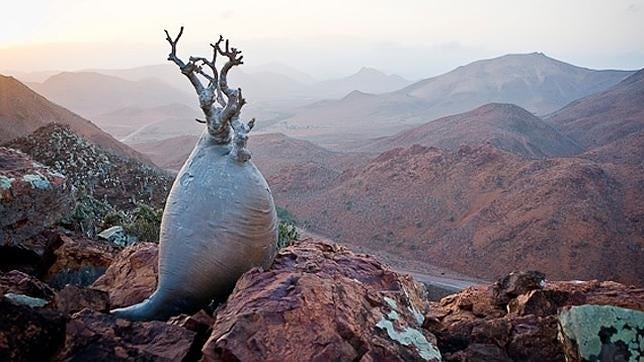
144 222
287 234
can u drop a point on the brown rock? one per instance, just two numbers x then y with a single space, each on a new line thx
79 261
515 284
93 336
534 339
29 334
478 352
321 302
20 283
538 302
132 276
72 299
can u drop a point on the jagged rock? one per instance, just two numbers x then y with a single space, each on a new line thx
319 301
29 334
132 276
526 328
602 333
93 336
20 283
515 284
72 299
79 261
26 189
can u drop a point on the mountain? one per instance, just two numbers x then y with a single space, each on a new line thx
506 126
605 117
533 81
92 94
22 111
367 80
479 211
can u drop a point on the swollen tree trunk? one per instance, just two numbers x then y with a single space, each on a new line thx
219 219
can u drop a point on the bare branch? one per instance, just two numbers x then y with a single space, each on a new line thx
186 69
233 60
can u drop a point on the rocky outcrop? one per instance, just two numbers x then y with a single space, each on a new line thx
320 301
517 318
32 197
132 276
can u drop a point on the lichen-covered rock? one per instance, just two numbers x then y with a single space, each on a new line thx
468 324
29 333
319 301
78 261
602 333
72 299
32 197
132 276
93 336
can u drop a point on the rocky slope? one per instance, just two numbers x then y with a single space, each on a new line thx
480 211
22 111
506 126
110 189
605 117
119 180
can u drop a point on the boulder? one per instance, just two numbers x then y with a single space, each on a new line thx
132 276
602 333
78 261
94 336
515 284
472 323
319 302
29 333
27 189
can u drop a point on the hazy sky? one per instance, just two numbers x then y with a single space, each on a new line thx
413 38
